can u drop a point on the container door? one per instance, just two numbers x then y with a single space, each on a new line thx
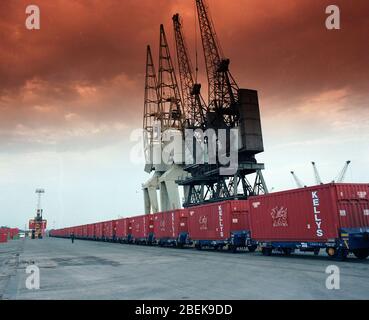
183 224
353 205
151 226
238 222
353 214
129 227
114 229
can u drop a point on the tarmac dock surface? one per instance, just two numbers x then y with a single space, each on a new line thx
100 270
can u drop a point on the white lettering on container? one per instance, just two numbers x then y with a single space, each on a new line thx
316 211
221 226
173 228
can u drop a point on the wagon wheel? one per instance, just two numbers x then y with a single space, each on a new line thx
198 246
331 252
252 248
232 248
266 251
342 254
361 253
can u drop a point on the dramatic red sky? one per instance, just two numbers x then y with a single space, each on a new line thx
76 86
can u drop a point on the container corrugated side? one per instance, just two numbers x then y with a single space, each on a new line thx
121 230
306 214
142 226
353 205
216 221
168 224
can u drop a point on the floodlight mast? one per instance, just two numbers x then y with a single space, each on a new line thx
39 192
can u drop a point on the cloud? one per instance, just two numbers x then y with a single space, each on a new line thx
86 64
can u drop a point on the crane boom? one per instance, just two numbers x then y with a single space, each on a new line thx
298 182
193 103
342 174
170 104
151 111
316 174
223 90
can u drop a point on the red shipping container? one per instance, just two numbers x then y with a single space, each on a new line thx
84 231
4 230
122 228
13 232
79 231
142 226
353 205
31 224
110 229
216 221
3 237
99 226
170 224
90 231
313 214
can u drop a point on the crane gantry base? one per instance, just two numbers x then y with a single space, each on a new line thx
207 185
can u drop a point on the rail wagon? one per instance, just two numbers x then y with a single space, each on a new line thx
142 229
110 230
171 228
334 217
221 224
122 231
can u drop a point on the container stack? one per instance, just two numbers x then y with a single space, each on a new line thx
8 234
3 237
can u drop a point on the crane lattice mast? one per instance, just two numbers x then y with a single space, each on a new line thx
223 90
170 104
151 111
193 103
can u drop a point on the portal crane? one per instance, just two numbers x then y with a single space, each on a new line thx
163 115
38 224
228 108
